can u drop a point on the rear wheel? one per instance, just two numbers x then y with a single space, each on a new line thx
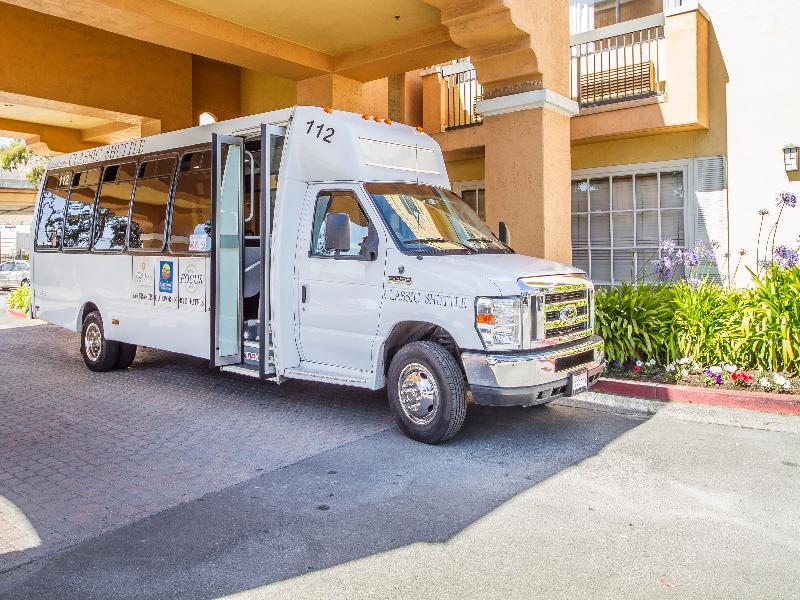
125 356
99 354
426 392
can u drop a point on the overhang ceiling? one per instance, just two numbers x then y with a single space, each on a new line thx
46 116
329 26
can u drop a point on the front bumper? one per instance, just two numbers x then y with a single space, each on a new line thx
531 378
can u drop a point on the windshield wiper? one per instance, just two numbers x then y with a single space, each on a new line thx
437 241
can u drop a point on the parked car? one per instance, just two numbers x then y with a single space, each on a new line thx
14 273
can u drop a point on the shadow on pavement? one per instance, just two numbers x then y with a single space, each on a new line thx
376 493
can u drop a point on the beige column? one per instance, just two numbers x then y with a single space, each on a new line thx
527 148
344 93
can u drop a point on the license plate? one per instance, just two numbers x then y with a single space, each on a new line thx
580 382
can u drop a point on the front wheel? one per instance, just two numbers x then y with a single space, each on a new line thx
426 392
99 354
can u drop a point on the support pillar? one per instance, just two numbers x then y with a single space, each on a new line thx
344 93
527 144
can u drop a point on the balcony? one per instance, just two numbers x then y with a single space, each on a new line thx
627 65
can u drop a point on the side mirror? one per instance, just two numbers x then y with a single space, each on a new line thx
337 232
503 234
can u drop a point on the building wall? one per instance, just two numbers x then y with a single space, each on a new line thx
76 64
261 92
216 88
752 115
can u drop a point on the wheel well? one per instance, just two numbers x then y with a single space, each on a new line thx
89 307
415 331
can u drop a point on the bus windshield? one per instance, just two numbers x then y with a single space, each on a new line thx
428 219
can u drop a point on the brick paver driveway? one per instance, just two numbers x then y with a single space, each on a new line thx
83 452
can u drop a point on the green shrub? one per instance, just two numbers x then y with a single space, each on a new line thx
706 322
771 321
20 299
635 321
756 328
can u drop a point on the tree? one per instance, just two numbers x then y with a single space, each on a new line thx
18 156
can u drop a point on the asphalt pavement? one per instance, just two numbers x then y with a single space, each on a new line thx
329 500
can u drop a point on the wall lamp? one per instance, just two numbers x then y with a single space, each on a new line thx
790 158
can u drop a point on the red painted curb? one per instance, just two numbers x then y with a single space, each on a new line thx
16 314
785 404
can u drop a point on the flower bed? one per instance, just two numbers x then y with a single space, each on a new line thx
689 372
737 338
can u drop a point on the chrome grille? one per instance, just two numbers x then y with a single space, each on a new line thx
563 311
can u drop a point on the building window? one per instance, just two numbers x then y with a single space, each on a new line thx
586 15
206 118
474 194
618 220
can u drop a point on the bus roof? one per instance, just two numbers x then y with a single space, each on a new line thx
321 145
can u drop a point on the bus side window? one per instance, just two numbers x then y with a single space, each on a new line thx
111 217
190 230
80 207
51 211
149 208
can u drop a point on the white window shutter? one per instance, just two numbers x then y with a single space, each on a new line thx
711 218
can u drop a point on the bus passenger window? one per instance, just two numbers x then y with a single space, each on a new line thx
149 208
51 211
80 206
111 218
191 207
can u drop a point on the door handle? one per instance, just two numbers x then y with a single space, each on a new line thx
303 294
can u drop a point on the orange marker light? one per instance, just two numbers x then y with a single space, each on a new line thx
366 117
377 119
328 109
420 129
388 121
486 319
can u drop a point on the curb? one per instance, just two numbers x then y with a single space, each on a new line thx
16 314
784 404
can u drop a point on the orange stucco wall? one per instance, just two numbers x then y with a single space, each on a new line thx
52 58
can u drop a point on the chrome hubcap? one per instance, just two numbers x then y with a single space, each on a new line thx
418 393
93 340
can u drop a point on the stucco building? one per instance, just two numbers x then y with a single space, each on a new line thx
594 128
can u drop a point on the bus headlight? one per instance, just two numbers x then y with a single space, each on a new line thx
498 321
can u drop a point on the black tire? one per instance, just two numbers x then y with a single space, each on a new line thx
102 353
125 356
442 422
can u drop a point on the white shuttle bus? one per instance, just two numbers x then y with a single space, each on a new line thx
307 244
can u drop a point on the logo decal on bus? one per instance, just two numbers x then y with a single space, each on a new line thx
166 277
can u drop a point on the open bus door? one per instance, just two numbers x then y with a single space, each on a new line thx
272 139
227 203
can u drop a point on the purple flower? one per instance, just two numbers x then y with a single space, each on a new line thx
690 258
663 268
616 363
786 257
787 199
667 246
694 281
763 212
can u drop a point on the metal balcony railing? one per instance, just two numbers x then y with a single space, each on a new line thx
463 92
625 66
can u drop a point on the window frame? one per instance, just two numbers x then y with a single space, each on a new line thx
79 173
689 205
168 239
370 226
115 163
168 218
42 189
